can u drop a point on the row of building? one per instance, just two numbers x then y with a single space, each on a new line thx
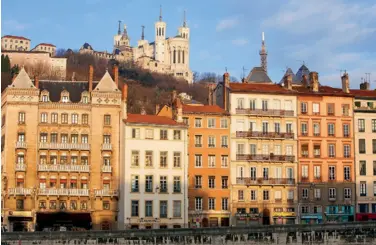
259 153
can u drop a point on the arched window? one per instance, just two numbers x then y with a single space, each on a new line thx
179 56
174 57
183 57
162 31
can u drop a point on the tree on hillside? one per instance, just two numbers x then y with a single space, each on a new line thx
5 63
14 70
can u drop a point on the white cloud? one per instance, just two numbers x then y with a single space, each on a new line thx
239 41
14 25
227 23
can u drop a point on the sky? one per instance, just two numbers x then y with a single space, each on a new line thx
327 35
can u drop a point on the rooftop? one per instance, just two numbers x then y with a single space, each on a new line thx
46 44
259 88
361 93
151 119
258 75
16 37
203 109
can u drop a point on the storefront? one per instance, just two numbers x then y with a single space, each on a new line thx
20 220
311 219
53 220
209 219
284 218
366 217
247 219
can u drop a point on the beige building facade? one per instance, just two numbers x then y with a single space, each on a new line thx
15 43
60 154
46 47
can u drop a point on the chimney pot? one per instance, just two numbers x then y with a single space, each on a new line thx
226 84
365 85
288 82
345 83
173 95
125 91
91 75
143 111
314 81
36 81
116 75
157 109
305 81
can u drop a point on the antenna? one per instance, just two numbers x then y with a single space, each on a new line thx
302 62
142 34
184 20
226 69
119 32
243 69
263 37
160 12
368 77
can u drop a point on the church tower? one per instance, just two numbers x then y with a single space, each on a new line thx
160 38
264 55
117 37
184 30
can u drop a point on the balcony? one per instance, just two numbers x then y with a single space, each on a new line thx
255 134
63 168
21 145
63 192
262 157
106 193
20 167
106 169
20 191
261 181
278 113
64 146
106 147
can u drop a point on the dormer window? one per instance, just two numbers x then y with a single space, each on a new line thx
44 98
85 99
65 99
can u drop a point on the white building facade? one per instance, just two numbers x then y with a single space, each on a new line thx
154 172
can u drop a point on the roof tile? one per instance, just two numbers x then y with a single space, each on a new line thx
151 119
212 109
16 37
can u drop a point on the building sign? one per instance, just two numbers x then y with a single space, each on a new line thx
311 216
284 214
150 220
244 216
20 213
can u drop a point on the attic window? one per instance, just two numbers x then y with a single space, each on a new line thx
44 98
65 99
85 99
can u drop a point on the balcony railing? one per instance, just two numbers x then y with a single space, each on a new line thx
262 157
64 146
106 169
256 134
63 192
265 112
262 181
21 145
106 193
63 168
20 191
20 167
106 147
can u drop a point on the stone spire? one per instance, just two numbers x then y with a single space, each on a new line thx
184 20
142 33
263 55
160 13
119 31
22 80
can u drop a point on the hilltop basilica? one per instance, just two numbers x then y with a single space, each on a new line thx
169 55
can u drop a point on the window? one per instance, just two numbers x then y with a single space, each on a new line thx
305 193
240 148
149 183
224 182
148 208
265 127
211 203
304 129
374 168
186 120
177 184
265 195
85 119
198 140
224 123
330 109
84 139
304 150
305 209
331 129
43 117
211 122
163 159
316 129
106 205
198 203
289 128
346 151
252 104
224 161
54 118
277 127
64 118
64 99
290 195
345 110
363 188
347 193
305 172
177 134
361 125
53 205
303 108
317 193
19 204
177 159
240 102
211 182
317 172
224 203
316 151
134 208
211 161
198 181
176 209
149 159
135 133
332 152
373 125
240 195
253 173
211 141
373 146
374 188
362 146
316 108
265 173
149 133
332 193
85 99
21 137
253 195
332 172
74 138
224 141
346 130
362 168
21 117
163 134
43 138
198 161
106 139
346 173
163 184
107 120
74 118
198 122
264 105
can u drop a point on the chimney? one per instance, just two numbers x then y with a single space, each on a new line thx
288 82
116 75
226 84
179 109
157 107
210 95
124 98
345 83
365 85
73 76
314 81
36 81
143 111
305 81
91 74
173 96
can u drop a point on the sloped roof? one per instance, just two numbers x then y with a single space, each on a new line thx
259 88
288 72
303 70
87 46
203 109
22 80
361 93
258 75
151 119
75 89
16 37
46 44
106 84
